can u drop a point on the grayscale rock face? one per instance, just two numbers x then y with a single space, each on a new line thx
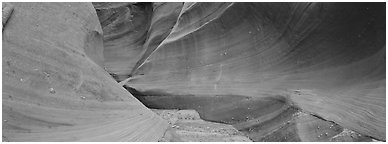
54 88
244 64
327 58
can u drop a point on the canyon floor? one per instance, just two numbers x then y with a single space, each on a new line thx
187 126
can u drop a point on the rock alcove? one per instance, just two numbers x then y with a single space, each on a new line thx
241 71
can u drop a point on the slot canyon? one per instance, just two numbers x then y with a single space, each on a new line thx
193 71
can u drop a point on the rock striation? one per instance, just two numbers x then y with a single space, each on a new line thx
274 71
325 58
54 84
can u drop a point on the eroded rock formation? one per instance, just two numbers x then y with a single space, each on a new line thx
54 88
300 71
325 58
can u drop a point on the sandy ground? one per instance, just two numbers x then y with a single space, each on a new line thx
186 126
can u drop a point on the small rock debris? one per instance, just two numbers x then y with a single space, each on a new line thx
52 91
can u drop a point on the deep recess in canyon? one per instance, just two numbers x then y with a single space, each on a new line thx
221 71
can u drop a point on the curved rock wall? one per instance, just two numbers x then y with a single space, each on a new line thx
327 58
54 88
125 29
163 20
232 62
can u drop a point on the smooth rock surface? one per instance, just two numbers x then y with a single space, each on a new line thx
326 58
242 64
54 86
125 29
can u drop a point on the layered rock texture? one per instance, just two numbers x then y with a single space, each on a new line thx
298 71
54 88
325 58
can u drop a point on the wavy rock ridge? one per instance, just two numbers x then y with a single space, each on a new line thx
54 88
251 65
326 58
